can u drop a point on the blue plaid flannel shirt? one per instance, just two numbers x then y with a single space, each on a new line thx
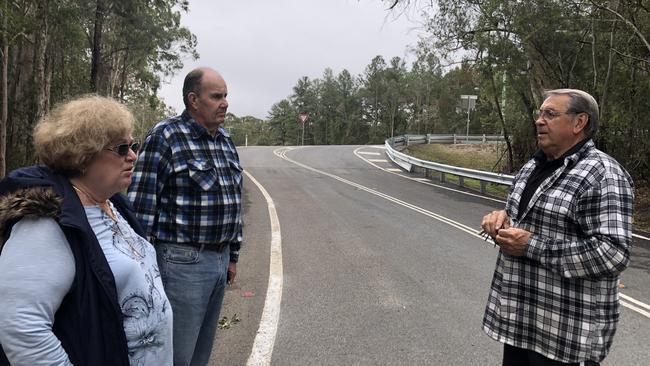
561 298
186 185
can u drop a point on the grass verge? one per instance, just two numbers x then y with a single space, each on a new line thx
484 157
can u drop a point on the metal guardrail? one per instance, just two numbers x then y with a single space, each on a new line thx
408 162
407 140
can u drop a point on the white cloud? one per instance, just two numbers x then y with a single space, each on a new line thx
263 47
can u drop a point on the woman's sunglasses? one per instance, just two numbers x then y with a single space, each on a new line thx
123 149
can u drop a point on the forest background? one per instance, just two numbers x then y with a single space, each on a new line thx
506 52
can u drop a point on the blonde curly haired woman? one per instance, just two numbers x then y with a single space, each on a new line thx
79 283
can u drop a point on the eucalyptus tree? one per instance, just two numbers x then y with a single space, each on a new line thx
283 124
248 130
395 97
519 48
423 90
373 89
326 119
305 101
353 130
54 50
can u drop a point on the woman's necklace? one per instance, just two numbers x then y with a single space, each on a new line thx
102 204
106 207
117 230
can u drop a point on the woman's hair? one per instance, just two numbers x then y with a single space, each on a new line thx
68 138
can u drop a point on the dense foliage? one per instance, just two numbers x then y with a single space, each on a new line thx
505 51
55 50
387 99
518 48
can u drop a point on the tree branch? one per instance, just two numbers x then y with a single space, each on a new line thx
626 21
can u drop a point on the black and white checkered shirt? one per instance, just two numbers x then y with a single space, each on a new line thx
561 298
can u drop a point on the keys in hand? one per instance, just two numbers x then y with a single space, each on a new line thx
487 236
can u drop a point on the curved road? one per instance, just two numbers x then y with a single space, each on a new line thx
377 267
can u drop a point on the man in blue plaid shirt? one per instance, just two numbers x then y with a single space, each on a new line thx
186 190
564 239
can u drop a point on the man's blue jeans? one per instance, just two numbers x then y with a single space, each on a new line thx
194 282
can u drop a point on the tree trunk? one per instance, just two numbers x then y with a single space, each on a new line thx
40 97
5 103
38 82
608 75
124 73
22 102
97 46
5 93
506 136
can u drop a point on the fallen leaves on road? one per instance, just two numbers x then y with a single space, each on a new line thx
225 323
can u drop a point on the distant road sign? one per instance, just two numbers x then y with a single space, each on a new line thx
303 117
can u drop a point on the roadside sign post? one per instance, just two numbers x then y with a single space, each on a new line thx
471 104
302 117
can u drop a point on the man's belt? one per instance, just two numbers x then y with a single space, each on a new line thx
211 247
201 247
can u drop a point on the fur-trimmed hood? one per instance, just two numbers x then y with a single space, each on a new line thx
89 322
30 202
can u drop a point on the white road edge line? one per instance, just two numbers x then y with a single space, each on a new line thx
265 339
462 227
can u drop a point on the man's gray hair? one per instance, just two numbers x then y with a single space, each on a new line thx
581 102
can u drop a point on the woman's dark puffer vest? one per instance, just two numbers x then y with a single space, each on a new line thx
89 322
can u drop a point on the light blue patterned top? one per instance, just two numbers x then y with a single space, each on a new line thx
147 312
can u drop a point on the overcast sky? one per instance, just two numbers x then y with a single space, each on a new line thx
262 47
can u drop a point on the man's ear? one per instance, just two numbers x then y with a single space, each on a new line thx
191 98
580 123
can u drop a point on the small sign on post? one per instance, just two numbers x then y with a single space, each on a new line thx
303 117
471 104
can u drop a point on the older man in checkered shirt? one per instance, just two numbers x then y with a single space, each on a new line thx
564 239
186 191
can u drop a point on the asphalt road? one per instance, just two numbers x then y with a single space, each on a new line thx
377 268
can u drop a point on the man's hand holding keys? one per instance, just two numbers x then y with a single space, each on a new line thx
511 240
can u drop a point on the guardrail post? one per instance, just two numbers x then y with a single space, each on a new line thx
483 138
461 181
406 140
428 138
442 177
483 184
427 172
454 139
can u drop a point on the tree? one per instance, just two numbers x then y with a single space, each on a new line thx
373 87
283 123
53 51
519 48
